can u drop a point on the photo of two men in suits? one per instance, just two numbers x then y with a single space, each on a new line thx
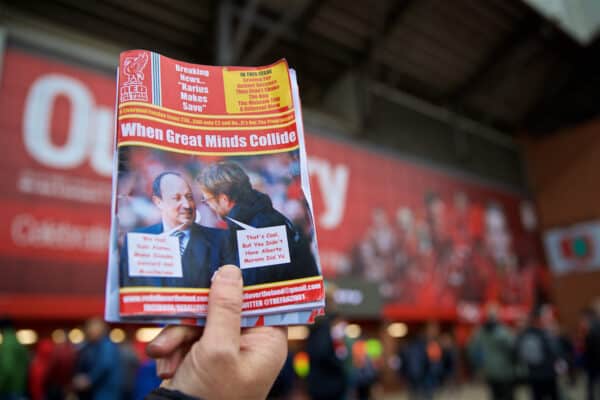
227 191
202 249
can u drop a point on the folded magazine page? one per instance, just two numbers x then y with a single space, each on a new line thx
210 169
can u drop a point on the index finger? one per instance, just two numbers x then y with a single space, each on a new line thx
171 338
224 309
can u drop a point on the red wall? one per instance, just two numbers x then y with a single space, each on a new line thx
56 149
564 172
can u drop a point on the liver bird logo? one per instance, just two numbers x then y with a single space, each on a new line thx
133 66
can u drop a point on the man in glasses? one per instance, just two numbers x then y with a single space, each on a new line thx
201 248
226 189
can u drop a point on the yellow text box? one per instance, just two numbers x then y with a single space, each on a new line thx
258 89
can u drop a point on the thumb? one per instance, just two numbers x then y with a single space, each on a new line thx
224 309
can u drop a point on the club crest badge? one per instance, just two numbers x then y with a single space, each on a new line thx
134 89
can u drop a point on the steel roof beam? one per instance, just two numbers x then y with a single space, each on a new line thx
247 18
325 47
277 30
526 28
224 27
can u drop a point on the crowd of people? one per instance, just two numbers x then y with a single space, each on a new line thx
428 363
532 353
448 251
56 369
537 354
532 356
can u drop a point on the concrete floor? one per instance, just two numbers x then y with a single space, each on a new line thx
467 391
478 391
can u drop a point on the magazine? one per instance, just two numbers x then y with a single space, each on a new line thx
210 169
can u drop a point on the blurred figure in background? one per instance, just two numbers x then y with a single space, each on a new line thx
39 369
437 216
284 383
537 351
435 356
365 370
98 371
450 359
491 351
565 355
130 364
421 364
13 364
413 365
592 352
60 375
146 379
327 352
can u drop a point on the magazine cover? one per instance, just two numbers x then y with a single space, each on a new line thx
210 169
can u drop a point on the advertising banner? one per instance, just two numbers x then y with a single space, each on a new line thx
434 242
574 248
438 243
56 120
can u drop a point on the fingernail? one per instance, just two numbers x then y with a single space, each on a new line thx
162 368
214 275
230 273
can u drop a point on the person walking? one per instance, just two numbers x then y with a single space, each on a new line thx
98 371
491 350
14 360
538 352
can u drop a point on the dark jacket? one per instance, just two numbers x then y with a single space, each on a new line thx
414 362
492 350
592 347
100 361
327 377
203 255
538 352
256 210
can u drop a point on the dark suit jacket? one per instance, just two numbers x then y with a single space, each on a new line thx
203 255
256 210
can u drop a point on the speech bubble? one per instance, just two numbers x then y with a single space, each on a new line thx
261 247
153 255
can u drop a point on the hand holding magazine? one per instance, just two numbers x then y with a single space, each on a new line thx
210 169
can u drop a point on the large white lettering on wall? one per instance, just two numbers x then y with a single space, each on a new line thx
333 186
89 130
102 144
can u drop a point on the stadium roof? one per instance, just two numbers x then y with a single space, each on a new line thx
498 62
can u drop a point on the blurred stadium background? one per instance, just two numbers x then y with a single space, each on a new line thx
453 150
